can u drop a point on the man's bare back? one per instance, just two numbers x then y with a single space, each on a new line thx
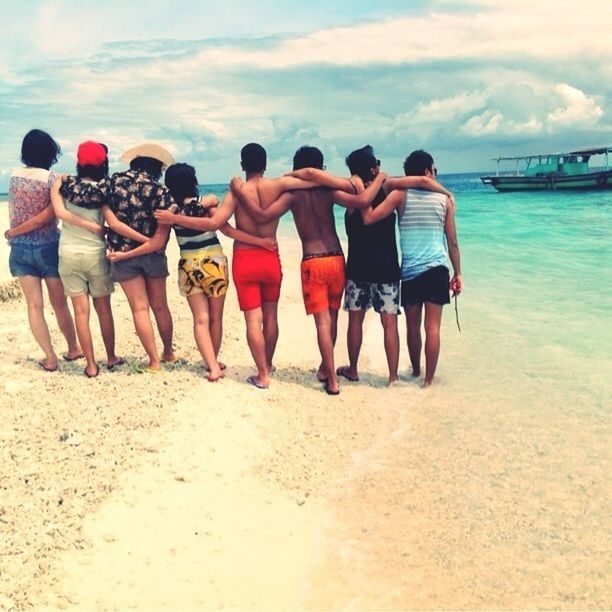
264 191
313 215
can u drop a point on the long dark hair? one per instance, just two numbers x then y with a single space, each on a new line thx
39 150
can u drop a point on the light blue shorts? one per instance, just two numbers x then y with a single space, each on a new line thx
40 260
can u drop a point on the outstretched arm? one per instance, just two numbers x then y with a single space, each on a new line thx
155 243
39 220
363 199
450 229
269 244
288 183
384 209
324 179
217 219
409 182
279 207
61 212
120 227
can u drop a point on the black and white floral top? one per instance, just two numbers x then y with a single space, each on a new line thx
134 196
85 193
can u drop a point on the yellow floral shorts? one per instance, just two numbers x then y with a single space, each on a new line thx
204 272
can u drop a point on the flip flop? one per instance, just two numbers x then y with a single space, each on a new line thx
173 359
147 369
72 358
253 381
92 375
119 362
328 390
341 371
45 367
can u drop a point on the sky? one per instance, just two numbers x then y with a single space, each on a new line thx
467 81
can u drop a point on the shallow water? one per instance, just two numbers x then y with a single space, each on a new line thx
493 484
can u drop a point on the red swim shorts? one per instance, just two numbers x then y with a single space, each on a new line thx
323 281
257 276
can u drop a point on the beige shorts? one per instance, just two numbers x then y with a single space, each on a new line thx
85 273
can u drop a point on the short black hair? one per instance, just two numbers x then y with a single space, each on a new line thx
253 157
307 157
361 161
417 162
182 182
39 150
150 165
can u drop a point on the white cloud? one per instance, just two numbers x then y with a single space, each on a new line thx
486 123
446 109
579 109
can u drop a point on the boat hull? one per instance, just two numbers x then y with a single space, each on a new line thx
592 180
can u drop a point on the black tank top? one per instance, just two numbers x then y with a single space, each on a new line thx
372 249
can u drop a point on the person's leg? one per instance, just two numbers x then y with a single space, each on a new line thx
32 291
392 343
270 330
433 318
80 303
323 322
413 324
59 304
135 290
156 291
354 338
104 311
199 305
215 313
257 345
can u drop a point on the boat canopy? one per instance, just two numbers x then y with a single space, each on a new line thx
589 152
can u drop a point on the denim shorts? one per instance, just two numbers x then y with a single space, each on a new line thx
152 265
40 260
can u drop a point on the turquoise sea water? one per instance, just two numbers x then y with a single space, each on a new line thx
538 289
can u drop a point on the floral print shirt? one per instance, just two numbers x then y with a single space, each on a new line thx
84 193
134 196
29 195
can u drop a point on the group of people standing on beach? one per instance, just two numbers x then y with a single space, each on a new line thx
115 229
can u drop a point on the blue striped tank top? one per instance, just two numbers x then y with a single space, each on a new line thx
421 230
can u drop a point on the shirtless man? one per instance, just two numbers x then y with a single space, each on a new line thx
256 271
322 266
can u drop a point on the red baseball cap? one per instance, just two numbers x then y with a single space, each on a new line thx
91 153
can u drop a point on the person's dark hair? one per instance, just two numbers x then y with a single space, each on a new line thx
182 182
96 173
253 157
39 150
417 162
307 157
153 167
361 161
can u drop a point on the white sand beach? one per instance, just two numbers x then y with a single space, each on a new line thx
166 492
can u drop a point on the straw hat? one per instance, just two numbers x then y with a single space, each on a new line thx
149 149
